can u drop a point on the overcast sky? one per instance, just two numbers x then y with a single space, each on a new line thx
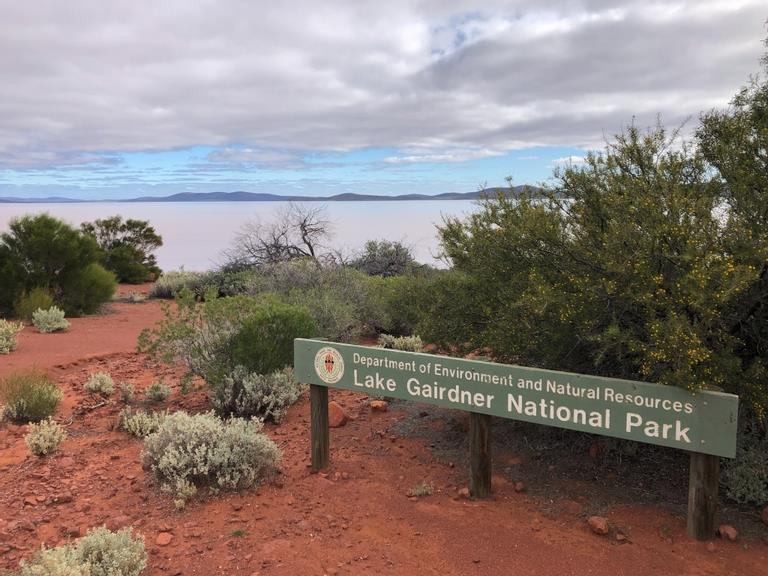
119 99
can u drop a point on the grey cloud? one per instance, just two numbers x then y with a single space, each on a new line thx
429 77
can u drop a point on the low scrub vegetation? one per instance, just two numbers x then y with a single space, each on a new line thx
36 299
9 332
248 394
49 320
99 553
189 452
45 437
29 396
404 343
41 252
158 392
100 383
140 423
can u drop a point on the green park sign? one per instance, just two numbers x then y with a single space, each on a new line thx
703 422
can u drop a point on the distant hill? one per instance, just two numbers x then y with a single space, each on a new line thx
264 197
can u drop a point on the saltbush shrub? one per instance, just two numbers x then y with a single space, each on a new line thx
140 423
126 390
29 396
8 333
404 343
99 553
246 394
50 320
100 383
169 284
45 437
158 392
188 452
36 299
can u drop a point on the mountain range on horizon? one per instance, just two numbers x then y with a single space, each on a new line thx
242 196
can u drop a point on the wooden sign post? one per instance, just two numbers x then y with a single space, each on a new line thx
703 423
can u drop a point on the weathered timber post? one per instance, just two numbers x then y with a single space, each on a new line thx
703 486
319 430
479 455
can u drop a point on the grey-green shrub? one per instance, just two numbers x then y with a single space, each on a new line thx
99 553
158 392
140 423
29 396
100 383
50 320
8 333
44 438
188 452
126 392
171 283
247 394
404 343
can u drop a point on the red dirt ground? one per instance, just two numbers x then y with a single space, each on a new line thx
355 519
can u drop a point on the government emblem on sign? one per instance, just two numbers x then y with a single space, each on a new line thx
329 365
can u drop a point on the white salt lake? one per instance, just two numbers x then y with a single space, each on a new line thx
195 233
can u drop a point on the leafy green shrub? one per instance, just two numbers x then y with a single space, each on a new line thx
8 333
126 247
140 423
343 302
627 268
37 299
745 478
29 396
99 553
404 343
41 251
383 258
188 452
100 383
246 394
89 290
44 438
264 342
50 320
169 284
158 392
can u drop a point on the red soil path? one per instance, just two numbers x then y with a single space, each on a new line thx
356 519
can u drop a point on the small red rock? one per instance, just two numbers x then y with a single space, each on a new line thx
379 405
711 546
164 538
519 487
598 525
764 516
463 493
728 532
337 417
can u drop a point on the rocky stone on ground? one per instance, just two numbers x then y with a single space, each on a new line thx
379 405
337 416
598 525
728 532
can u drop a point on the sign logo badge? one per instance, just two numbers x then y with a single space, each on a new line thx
329 365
